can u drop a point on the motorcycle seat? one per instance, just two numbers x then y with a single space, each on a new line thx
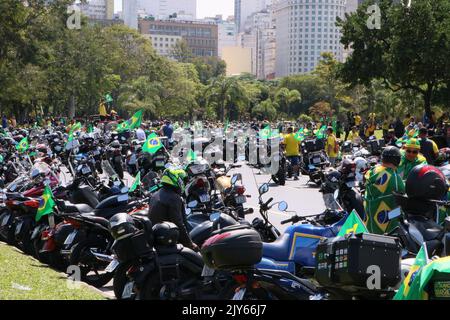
72 207
279 249
429 229
93 218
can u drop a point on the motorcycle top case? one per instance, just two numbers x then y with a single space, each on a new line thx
234 247
133 247
349 261
313 145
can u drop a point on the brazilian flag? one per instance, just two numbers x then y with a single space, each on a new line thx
75 127
136 183
152 144
300 135
23 145
123 126
409 288
46 204
191 156
136 120
321 133
353 224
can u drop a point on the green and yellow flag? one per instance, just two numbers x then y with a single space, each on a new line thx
23 145
108 98
353 224
322 132
46 204
191 155
152 144
136 120
300 135
136 183
409 289
125 125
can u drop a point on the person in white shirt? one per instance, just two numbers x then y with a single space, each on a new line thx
140 134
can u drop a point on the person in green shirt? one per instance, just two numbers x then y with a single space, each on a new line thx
410 158
381 182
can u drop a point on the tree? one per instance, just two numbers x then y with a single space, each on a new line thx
181 51
286 98
410 51
265 110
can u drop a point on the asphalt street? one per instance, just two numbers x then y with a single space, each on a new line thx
302 198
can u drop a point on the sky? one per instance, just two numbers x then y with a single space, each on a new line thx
205 8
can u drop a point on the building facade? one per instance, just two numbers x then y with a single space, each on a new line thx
244 8
201 37
97 9
162 9
129 13
305 29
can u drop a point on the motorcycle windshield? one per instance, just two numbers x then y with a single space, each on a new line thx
108 169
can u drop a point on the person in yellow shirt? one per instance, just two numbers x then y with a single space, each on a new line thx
331 146
358 120
292 150
353 136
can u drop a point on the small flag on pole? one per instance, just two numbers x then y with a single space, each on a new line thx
152 144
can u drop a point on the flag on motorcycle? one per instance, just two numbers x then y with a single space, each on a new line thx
23 145
136 120
136 183
191 155
90 128
46 204
152 144
410 285
353 224
75 127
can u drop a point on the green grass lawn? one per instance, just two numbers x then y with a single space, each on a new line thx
25 278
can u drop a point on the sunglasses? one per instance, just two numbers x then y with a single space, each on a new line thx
412 151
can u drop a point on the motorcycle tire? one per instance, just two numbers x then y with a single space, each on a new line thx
79 253
120 279
119 169
43 257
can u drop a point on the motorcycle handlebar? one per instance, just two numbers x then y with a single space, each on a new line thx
268 201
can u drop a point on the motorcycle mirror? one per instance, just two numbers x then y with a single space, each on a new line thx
214 216
116 183
192 204
124 190
263 189
282 206
188 211
336 194
394 214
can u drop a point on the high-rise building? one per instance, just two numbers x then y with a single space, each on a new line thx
305 29
129 13
97 9
200 36
162 9
227 33
244 8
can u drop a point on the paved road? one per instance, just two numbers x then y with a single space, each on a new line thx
302 198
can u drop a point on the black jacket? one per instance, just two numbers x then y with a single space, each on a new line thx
167 205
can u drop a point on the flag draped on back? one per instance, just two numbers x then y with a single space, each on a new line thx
46 204
300 135
353 224
152 144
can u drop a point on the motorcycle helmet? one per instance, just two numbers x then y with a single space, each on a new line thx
121 226
426 182
347 167
166 234
391 155
362 165
174 178
331 181
41 148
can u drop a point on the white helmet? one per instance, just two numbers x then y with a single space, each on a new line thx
361 167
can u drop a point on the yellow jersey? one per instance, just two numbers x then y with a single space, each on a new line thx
292 145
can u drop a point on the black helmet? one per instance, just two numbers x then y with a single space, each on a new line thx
426 182
166 234
121 226
391 155
331 181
